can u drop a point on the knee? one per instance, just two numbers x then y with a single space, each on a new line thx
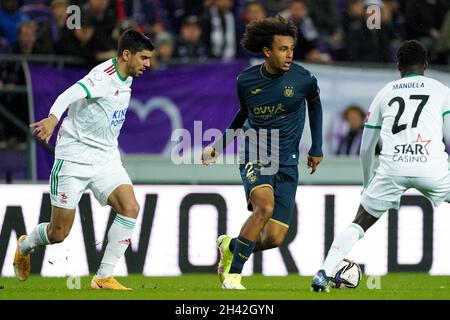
265 210
274 240
57 234
131 210
262 214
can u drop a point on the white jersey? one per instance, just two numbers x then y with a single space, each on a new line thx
89 133
410 113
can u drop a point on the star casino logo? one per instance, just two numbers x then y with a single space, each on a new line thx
416 151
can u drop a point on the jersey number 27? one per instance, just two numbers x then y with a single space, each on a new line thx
396 128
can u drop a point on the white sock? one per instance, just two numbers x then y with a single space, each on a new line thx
37 238
118 240
341 246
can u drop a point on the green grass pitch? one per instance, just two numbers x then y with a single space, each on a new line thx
410 286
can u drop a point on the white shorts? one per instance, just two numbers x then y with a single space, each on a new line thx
69 180
384 192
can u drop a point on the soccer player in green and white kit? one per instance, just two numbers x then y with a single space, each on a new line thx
87 157
272 98
411 115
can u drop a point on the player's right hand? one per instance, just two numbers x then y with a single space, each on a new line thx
44 129
209 155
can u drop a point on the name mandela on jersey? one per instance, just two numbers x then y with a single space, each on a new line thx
411 152
408 85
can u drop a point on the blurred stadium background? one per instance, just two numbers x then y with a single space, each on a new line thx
192 87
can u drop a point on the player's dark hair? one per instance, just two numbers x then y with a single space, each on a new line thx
134 41
411 53
260 33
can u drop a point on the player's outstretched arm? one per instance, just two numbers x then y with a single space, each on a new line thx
44 129
210 153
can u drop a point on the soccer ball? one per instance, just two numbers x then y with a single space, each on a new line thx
346 275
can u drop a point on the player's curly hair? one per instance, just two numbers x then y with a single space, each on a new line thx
260 33
411 53
134 41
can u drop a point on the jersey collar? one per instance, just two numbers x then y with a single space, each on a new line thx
117 70
412 75
266 74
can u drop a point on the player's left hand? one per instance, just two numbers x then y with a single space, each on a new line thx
313 162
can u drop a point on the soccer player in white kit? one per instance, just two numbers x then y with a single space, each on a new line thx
87 157
411 115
